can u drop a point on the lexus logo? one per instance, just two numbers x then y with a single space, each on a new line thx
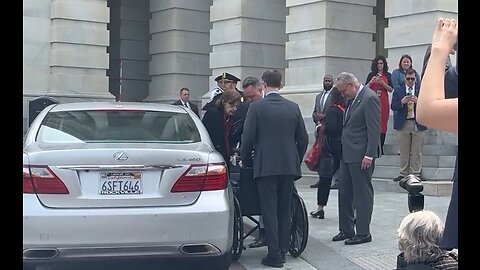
120 156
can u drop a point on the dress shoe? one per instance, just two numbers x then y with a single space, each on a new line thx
260 242
320 214
396 179
342 236
282 255
359 239
273 261
315 185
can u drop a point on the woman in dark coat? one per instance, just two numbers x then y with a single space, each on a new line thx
333 124
217 121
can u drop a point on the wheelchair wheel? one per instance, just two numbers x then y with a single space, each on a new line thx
237 246
299 230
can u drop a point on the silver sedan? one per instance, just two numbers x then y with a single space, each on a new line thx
121 181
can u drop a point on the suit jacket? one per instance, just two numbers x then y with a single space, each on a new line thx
213 120
274 127
318 106
193 107
361 128
400 110
238 119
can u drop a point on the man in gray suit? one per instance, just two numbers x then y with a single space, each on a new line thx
274 127
360 142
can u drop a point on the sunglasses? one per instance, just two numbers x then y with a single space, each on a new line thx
410 79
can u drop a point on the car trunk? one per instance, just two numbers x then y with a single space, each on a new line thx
105 175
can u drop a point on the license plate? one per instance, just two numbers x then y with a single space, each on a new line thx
120 183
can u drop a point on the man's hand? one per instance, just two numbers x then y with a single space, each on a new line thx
414 99
366 163
320 116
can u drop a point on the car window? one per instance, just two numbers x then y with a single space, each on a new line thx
117 126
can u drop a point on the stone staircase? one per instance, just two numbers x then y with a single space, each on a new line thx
438 161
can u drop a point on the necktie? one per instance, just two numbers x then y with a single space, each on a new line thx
185 104
410 112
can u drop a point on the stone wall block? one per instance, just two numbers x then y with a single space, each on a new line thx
73 55
94 11
183 41
179 19
69 31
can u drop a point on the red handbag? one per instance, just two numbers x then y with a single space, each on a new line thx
313 155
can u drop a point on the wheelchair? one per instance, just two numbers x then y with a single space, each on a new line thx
246 204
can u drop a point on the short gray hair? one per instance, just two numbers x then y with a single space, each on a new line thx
419 236
251 81
346 77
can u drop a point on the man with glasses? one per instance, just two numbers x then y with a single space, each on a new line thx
360 142
409 132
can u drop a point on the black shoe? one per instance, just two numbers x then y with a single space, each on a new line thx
260 242
359 239
273 261
396 179
320 214
342 236
315 185
282 255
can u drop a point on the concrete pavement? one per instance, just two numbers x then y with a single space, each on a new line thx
322 253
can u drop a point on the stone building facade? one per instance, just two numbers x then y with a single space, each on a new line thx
146 50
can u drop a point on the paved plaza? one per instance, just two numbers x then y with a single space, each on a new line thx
322 253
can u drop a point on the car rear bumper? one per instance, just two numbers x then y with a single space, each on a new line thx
202 229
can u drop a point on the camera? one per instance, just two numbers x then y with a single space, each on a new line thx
413 185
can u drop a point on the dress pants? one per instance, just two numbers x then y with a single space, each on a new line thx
355 194
275 193
410 143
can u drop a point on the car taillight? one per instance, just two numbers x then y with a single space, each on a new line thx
41 180
202 178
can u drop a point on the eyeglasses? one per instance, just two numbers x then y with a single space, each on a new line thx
410 79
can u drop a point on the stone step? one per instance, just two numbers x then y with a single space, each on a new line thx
428 173
427 161
427 149
429 138
430 188
390 172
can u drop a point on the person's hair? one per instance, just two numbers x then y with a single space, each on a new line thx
419 236
346 77
403 57
272 78
184 88
250 81
411 71
336 96
374 63
228 96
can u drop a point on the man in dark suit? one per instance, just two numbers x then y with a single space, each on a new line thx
409 132
274 127
322 102
185 101
360 142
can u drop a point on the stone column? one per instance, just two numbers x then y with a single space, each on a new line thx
248 36
64 50
78 55
326 36
410 27
179 48
409 31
